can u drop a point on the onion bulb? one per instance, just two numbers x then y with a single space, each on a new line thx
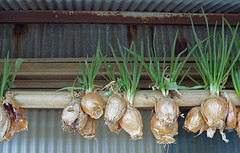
73 117
163 134
15 115
194 121
89 130
214 111
232 116
131 122
167 111
4 122
92 104
115 109
71 112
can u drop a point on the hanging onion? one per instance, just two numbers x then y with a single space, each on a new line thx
92 104
89 130
194 121
115 109
231 119
164 134
131 122
167 111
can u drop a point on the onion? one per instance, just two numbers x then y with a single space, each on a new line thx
16 116
232 116
71 112
115 109
4 122
73 117
163 134
214 111
89 130
194 121
167 111
81 120
131 122
92 104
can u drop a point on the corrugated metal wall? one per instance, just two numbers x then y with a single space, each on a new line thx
74 40
211 6
45 135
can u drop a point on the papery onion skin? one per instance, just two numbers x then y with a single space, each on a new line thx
14 113
81 120
116 128
214 111
115 109
23 123
89 130
232 116
238 124
71 112
194 120
4 122
163 134
131 122
92 104
167 111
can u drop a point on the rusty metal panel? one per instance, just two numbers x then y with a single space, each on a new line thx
80 40
45 135
67 40
211 6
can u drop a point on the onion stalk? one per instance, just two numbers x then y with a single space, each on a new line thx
213 65
119 107
7 80
235 73
167 110
11 115
86 105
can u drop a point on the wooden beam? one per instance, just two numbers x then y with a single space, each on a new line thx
54 73
143 98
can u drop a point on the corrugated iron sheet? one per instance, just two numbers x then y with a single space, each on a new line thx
45 135
210 6
67 40
74 40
